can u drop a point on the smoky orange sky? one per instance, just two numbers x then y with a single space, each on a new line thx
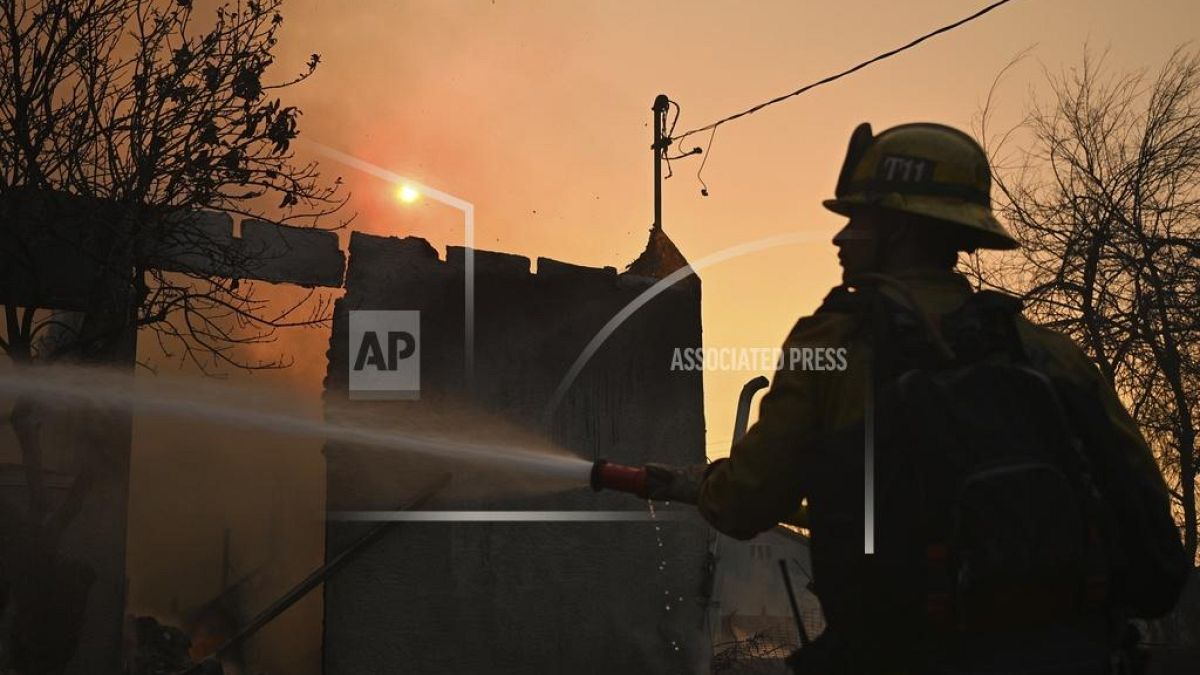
539 114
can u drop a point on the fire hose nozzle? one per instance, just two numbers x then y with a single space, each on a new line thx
607 475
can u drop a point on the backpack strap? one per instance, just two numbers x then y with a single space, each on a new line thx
899 333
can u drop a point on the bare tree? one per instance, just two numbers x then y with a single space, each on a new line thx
1104 196
124 103
122 116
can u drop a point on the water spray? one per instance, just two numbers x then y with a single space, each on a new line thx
81 387
95 388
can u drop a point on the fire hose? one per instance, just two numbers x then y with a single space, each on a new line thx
652 481
679 483
670 483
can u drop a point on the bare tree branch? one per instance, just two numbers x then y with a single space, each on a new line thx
1105 200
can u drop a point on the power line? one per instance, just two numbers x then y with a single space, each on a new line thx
667 158
707 153
844 73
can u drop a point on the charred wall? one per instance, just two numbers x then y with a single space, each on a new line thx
76 255
519 597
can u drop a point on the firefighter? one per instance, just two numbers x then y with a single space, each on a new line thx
916 195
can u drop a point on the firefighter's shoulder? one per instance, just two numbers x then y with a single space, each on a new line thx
1055 353
836 321
844 300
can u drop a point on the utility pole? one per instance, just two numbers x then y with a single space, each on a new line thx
661 104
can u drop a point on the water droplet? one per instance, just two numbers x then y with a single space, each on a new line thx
668 608
681 598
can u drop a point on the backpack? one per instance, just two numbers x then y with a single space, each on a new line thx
1148 566
990 517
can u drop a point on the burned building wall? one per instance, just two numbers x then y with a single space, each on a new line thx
74 256
584 597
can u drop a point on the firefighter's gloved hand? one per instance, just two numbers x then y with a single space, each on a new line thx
674 483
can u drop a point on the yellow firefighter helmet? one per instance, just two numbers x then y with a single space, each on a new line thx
924 169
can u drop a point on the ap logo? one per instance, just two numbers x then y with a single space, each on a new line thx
385 355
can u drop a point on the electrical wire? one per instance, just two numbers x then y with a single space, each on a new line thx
673 119
667 143
707 152
844 73
667 137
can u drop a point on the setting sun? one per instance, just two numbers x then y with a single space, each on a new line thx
407 194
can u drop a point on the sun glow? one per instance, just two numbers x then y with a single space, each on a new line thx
407 194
